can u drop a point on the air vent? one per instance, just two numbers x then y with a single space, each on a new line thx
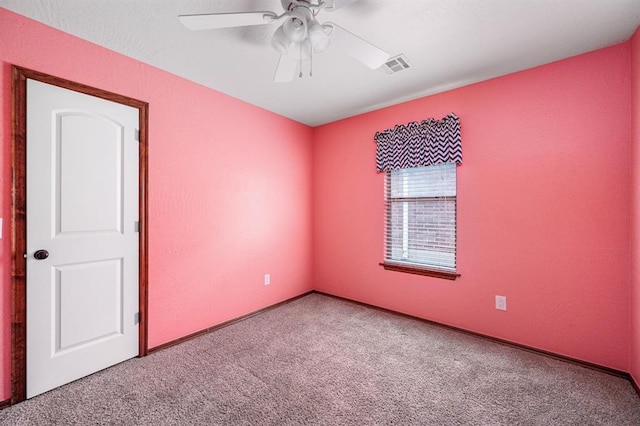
396 64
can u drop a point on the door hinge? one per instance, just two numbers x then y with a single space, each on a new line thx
136 226
137 135
136 318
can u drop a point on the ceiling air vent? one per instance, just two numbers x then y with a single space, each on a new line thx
396 64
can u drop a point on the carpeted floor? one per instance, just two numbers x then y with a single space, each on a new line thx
320 360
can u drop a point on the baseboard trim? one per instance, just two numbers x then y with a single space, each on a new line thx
224 324
634 384
575 361
5 404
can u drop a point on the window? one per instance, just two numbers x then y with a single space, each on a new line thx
420 212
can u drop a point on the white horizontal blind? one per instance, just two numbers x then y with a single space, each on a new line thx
421 216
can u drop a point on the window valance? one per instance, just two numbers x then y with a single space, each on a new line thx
419 144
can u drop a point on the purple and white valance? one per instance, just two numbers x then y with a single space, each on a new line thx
419 144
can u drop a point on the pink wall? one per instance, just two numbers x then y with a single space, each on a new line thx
634 359
228 201
543 209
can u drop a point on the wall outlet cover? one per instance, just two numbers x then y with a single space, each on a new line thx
501 303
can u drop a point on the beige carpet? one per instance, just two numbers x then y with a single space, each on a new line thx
320 360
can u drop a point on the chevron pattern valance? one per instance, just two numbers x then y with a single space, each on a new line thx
419 144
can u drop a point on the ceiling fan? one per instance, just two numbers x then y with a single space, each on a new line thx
299 36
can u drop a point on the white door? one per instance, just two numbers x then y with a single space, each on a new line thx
82 209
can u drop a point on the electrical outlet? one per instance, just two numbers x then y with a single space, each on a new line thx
267 279
501 303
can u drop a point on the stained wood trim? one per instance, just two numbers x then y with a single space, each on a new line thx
575 361
143 246
436 273
224 324
634 384
18 238
19 222
5 404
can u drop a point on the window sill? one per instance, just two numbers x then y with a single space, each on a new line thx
436 273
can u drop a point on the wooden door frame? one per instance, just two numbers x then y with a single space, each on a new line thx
19 218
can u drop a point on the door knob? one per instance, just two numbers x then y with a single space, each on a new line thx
41 254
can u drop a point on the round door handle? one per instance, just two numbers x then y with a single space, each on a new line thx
41 254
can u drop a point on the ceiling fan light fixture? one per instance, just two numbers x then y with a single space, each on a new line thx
319 37
295 27
279 41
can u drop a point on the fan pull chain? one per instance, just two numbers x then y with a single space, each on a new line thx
300 75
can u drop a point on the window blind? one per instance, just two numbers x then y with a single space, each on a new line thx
421 216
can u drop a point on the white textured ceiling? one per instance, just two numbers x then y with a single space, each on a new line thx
449 43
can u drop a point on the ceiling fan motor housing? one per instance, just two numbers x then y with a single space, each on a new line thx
289 5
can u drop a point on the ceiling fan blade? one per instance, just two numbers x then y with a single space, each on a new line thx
357 47
331 5
226 20
286 71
